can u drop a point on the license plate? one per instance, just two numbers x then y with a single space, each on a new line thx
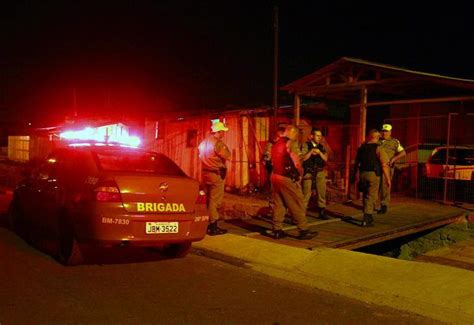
162 227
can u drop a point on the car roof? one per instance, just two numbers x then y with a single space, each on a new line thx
455 147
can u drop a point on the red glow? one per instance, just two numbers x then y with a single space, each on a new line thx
100 135
108 192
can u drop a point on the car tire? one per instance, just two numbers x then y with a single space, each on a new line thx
177 250
69 251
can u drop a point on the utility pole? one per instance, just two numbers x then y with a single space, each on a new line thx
275 63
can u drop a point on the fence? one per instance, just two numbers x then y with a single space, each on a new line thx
439 160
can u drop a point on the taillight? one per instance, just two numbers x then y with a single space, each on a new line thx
202 196
107 192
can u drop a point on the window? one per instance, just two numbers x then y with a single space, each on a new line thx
136 162
49 169
457 156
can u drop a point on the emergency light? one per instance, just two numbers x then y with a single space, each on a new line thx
100 136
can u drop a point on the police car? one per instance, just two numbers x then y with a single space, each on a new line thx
108 195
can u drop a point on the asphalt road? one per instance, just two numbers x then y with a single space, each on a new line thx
145 288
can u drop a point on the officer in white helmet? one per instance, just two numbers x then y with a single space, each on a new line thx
394 151
214 153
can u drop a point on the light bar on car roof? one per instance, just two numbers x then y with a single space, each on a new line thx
96 136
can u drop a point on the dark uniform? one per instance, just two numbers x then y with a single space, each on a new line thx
369 161
287 189
315 174
213 153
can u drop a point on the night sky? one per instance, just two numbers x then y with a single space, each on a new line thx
133 58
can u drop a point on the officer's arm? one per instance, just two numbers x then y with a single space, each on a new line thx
400 154
305 152
324 155
222 150
293 150
382 156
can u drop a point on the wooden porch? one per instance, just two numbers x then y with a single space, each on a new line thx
343 230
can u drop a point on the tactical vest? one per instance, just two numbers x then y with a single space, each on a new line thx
367 158
314 163
282 162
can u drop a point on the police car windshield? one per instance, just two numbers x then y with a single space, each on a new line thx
137 162
457 156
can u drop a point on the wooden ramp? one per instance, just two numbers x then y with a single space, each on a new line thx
405 217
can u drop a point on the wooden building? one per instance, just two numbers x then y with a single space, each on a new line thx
178 136
426 109
365 85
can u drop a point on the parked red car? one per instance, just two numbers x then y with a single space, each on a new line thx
460 163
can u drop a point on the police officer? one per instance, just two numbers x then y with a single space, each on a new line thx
213 153
394 151
267 152
285 180
371 161
315 155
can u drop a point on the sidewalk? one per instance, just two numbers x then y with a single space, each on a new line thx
439 292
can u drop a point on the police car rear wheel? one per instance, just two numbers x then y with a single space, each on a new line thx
69 251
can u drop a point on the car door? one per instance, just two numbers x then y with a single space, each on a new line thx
50 191
25 197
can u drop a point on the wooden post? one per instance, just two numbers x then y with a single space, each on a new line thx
445 167
363 114
296 108
244 180
275 63
347 172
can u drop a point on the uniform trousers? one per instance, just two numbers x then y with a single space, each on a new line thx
287 194
215 193
371 190
320 188
385 190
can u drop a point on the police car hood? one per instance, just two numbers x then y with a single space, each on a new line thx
158 194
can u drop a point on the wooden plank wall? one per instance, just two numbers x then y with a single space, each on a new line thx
246 138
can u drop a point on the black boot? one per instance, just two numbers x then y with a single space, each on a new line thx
279 234
383 209
322 214
306 234
213 230
368 221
